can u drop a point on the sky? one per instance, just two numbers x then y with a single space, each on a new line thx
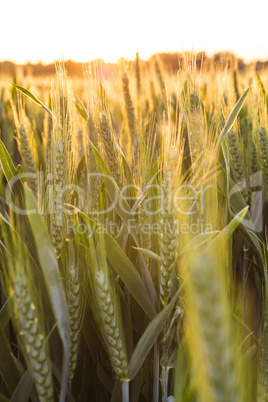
82 30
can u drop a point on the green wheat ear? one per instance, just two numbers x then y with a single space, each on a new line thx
237 166
74 305
58 216
27 158
168 235
215 337
263 142
32 339
107 309
111 326
92 167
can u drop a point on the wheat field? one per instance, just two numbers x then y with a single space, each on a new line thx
133 224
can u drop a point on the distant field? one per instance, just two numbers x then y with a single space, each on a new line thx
170 61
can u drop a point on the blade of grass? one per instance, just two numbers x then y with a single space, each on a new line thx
123 266
34 98
8 369
6 312
24 388
232 117
148 338
53 281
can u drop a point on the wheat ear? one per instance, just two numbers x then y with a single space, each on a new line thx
196 130
263 141
111 327
163 88
74 305
32 339
215 338
132 124
27 157
237 166
169 236
94 176
110 150
138 75
57 218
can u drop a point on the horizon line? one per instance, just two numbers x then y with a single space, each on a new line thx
246 60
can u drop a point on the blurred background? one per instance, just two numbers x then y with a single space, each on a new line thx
38 32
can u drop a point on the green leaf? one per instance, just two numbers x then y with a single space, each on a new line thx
124 267
184 382
8 368
262 88
81 111
149 337
105 101
11 172
7 163
128 274
236 204
81 108
148 253
24 388
6 312
14 250
198 241
56 372
232 117
53 281
127 215
232 226
34 98
120 204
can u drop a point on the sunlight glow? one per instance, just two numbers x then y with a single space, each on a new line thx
84 30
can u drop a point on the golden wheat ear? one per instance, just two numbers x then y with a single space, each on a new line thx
110 150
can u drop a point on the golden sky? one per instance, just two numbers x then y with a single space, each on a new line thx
34 30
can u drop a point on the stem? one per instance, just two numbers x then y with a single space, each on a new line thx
156 373
165 384
125 391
